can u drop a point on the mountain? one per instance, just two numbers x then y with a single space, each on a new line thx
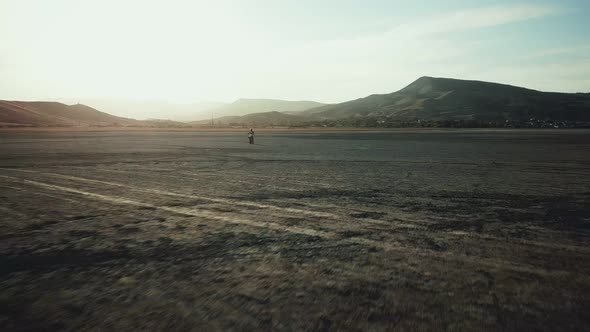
21 113
441 99
428 98
197 111
54 114
247 106
263 119
154 109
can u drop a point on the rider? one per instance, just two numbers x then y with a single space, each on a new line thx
251 136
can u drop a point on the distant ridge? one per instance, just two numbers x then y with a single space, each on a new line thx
428 101
54 114
263 119
247 106
430 98
154 109
42 113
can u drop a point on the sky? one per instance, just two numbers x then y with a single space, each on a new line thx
328 51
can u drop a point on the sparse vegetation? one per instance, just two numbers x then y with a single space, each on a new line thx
397 230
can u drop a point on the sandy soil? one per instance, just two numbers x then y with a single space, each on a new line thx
185 230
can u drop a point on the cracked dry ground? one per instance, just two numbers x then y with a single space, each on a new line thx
475 230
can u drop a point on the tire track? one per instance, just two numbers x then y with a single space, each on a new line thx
244 178
56 197
244 181
231 202
320 214
387 246
212 215
193 212
290 179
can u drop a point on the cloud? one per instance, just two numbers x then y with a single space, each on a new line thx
193 51
475 18
428 31
382 61
418 41
573 50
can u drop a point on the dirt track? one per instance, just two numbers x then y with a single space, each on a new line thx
312 231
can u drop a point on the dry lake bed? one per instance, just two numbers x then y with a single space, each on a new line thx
187 230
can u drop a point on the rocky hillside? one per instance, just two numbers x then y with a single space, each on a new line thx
441 99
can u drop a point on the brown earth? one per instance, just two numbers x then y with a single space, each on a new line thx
184 230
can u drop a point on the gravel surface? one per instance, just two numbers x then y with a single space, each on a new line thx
407 230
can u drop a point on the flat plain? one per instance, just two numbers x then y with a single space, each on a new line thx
189 230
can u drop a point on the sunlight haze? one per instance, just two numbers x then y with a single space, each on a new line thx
327 51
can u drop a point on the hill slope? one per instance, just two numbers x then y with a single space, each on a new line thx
432 98
154 109
20 113
262 119
247 106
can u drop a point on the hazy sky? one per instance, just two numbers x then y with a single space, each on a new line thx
329 51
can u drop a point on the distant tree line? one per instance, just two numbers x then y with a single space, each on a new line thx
420 123
372 122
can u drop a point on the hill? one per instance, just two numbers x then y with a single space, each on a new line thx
40 113
440 99
247 106
154 109
54 114
159 123
263 119
436 101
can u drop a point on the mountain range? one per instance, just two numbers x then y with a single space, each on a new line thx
143 110
426 99
247 106
439 100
